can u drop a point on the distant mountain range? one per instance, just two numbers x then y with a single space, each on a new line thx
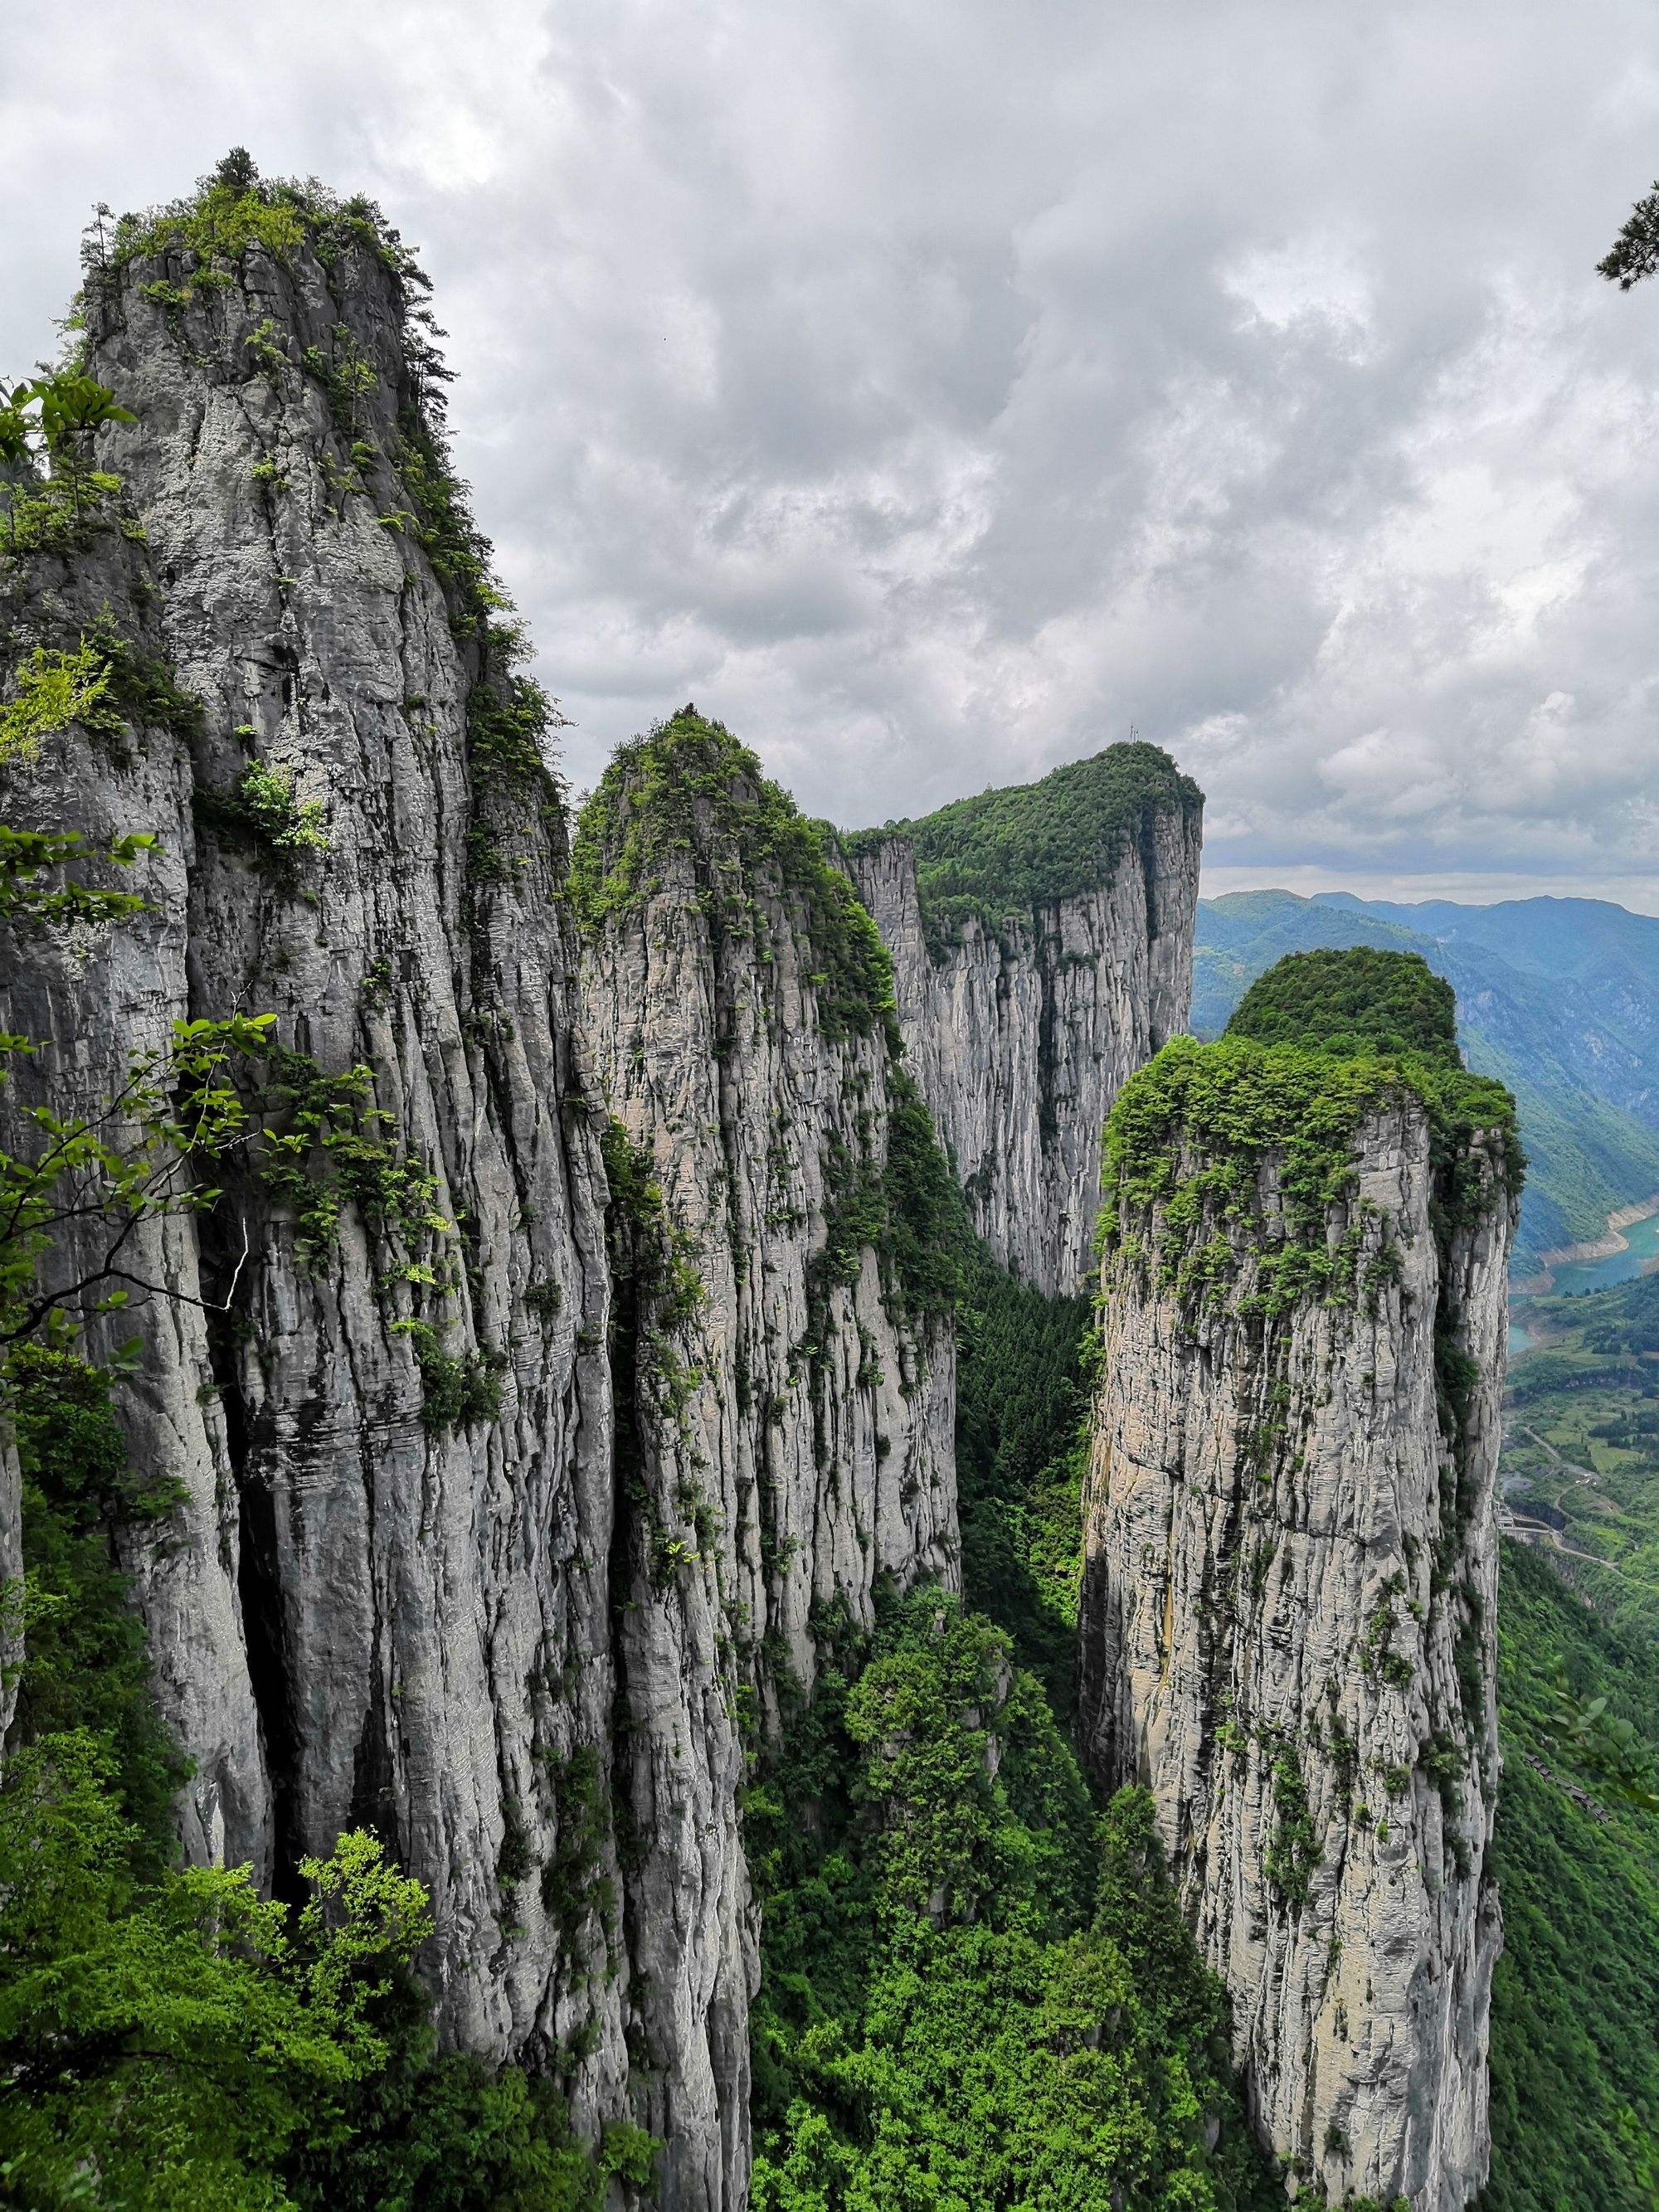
1559 997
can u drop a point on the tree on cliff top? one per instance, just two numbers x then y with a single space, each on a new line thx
1354 1000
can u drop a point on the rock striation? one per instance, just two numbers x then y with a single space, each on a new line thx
786 1400
1291 1572
1043 946
570 1341
387 1389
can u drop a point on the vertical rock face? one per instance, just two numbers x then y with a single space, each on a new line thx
572 1334
1290 1564
388 1599
98 998
1042 942
786 1391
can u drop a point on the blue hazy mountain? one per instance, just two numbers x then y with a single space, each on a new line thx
1559 997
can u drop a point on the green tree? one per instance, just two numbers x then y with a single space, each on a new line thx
163 2044
1635 252
74 408
949 2017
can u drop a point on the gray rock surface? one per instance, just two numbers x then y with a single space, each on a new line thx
787 1439
388 1597
493 1539
1290 1580
1021 1036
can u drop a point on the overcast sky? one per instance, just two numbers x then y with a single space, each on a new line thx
934 389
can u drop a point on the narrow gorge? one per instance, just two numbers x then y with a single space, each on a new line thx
581 1301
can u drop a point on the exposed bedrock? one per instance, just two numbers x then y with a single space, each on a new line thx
1042 950
785 1409
1291 1572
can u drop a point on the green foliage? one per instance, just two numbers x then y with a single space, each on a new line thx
174 2031
26 903
73 409
1623 1319
923 1225
1582 1445
907 1209
60 514
234 211
508 734
661 1261
1021 1450
139 1155
262 815
572 1885
323 1146
141 687
1006 852
458 1389
1353 1001
1575 2058
1192 1130
1292 1853
349 378
688 794
447 533
88 1660
433 2132
54 689
947 2015
1544 987
169 2038
1635 252
1606 1747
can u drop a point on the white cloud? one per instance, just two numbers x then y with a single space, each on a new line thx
933 391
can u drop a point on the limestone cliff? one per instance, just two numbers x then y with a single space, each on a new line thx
571 1333
1042 942
1291 1562
387 1387
785 1406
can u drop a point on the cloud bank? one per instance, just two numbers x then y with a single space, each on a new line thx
935 392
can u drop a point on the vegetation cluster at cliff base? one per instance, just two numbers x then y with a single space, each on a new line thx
1006 852
976 1989
169 2036
689 790
1574 2064
1024 1367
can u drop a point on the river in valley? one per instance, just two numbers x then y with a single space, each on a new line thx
1572 1277
1641 1252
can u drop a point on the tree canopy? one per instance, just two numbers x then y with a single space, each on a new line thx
1354 1000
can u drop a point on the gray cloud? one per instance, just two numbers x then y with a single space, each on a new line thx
933 391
